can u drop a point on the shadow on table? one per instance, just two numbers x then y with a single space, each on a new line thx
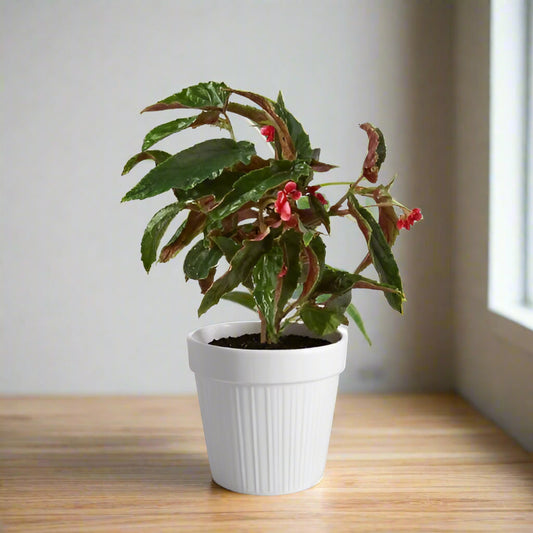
156 460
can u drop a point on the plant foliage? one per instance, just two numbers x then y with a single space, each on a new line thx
263 217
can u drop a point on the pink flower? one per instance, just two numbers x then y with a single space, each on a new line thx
319 196
406 221
282 205
283 271
291 190
268 132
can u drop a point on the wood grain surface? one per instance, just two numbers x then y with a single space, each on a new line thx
138 464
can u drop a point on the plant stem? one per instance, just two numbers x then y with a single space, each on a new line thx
263 337
232 133
335 183
343 198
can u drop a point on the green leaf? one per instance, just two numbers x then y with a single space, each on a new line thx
296 131
252 186
316 253
155 155
321 321
380 251
218 188
242 298
241 267
335 281
309 235
356 317
164 130
200 259
303 202
265 280
227 246
320 211
318 246
201 96
291 244
193 226
339 302
192 166
154 232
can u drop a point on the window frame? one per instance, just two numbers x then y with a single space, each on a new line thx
510 252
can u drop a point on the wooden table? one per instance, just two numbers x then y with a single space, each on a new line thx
138 464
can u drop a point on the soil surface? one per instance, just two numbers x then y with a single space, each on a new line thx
251 341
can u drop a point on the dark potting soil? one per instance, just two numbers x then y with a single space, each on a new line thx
251 341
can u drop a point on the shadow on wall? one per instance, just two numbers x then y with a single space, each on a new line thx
417 352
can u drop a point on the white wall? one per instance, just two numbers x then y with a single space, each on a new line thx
494 361
79 315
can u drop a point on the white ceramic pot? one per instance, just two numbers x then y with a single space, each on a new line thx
267 414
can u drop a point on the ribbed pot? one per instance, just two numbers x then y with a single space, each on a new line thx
267 414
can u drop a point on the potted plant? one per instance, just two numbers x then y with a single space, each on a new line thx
266 388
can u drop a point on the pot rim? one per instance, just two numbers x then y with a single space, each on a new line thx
238 365
253 326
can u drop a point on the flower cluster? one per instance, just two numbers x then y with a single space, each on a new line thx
406 221
282 205
268 132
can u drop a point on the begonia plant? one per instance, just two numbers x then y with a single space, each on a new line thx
262 221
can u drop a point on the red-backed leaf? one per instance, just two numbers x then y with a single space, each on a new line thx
162 106
315 254
205 284
192 227
154 233
366 283
387 215
252 113
361 222
158 156
376 152
302 145
206 118
318 166
287 146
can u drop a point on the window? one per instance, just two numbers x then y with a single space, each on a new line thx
529 153
511 167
